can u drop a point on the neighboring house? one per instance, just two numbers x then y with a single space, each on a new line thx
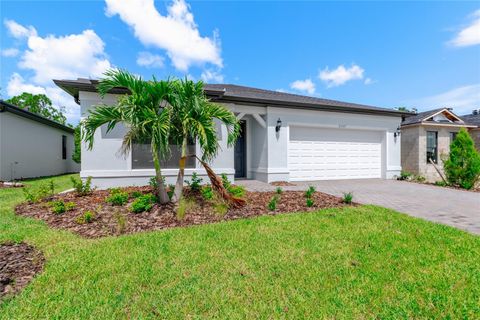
427 136
33 146
474 119
285 137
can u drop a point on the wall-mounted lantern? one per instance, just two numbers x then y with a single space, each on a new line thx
397 132
278 126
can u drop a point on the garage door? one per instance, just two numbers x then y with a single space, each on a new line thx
328 154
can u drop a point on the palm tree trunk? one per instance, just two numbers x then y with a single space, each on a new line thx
181 173
162 194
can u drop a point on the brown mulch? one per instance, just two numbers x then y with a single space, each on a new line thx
282 184
19 263
115 220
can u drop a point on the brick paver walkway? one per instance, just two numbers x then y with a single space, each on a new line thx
457 208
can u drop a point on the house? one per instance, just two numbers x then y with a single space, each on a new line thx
285 137
474 119
426 138
33 146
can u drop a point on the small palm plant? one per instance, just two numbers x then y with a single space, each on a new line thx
144 111
193 119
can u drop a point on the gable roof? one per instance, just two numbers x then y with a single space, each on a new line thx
473 119
247 95
426 117
8 107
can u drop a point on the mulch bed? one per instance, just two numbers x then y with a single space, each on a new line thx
115 220
19 263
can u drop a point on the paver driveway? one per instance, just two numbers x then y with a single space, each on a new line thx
457 208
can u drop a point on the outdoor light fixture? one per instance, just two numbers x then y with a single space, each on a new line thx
397 133
279 125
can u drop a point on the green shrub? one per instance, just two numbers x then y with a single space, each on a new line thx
220 208
135 194
310 202
462 166
82 188
225 181
348 197
419 178
143 203
441 183
405 175
195 182
117 197
310 191
236 191
170 190
86 217
272 205
44 190
207 193
279 190
59 206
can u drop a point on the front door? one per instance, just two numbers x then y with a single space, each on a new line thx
240 153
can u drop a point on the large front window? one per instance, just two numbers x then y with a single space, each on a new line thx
142 157
432 146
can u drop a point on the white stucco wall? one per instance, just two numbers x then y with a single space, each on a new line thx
267 157
32 149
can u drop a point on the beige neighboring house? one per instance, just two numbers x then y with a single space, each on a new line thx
426 138
474 119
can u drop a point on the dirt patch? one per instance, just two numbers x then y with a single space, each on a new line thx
114 220
19 263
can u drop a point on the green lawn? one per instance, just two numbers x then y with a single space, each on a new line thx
353 263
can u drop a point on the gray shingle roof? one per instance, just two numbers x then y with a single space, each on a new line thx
418 117
473 119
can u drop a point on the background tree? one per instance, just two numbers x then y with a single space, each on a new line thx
414 110
462 166
143 111
193 119
39 104
77 139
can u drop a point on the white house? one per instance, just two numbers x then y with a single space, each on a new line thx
285 137
33 146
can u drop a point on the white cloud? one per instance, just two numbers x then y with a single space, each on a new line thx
17 85
341 75
10 52
175 32
211 76
56 57
368 81
18 31
470 35
147 59
462 99
303 85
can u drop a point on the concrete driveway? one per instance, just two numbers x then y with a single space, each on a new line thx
457 208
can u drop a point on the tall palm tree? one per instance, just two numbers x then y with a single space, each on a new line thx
144 112
193 119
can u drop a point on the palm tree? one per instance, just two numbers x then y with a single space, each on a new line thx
144 112
193 119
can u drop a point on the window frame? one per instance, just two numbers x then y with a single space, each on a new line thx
452 135
435 148
64 147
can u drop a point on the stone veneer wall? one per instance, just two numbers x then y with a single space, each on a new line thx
475 134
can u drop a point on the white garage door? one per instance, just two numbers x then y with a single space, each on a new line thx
328 154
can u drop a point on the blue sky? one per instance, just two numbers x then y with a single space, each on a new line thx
422 54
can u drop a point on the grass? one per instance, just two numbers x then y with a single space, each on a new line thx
357 262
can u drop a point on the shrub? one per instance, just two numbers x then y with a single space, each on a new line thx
272 205
171 190
462 166
347 197
143 203
221 208
135 194
279 190
441 183
419 178
44 190
59 206
310 191
207 193
117 197
405 175
310 202
195 182
226 183
82 188
86 217
236 191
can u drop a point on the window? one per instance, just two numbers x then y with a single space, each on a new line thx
142 157
453 135
432 144
64 147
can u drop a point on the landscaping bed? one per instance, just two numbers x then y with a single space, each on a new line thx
19 263
106 219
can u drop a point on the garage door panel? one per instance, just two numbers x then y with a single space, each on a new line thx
333 154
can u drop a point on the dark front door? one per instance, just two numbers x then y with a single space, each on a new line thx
240 161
